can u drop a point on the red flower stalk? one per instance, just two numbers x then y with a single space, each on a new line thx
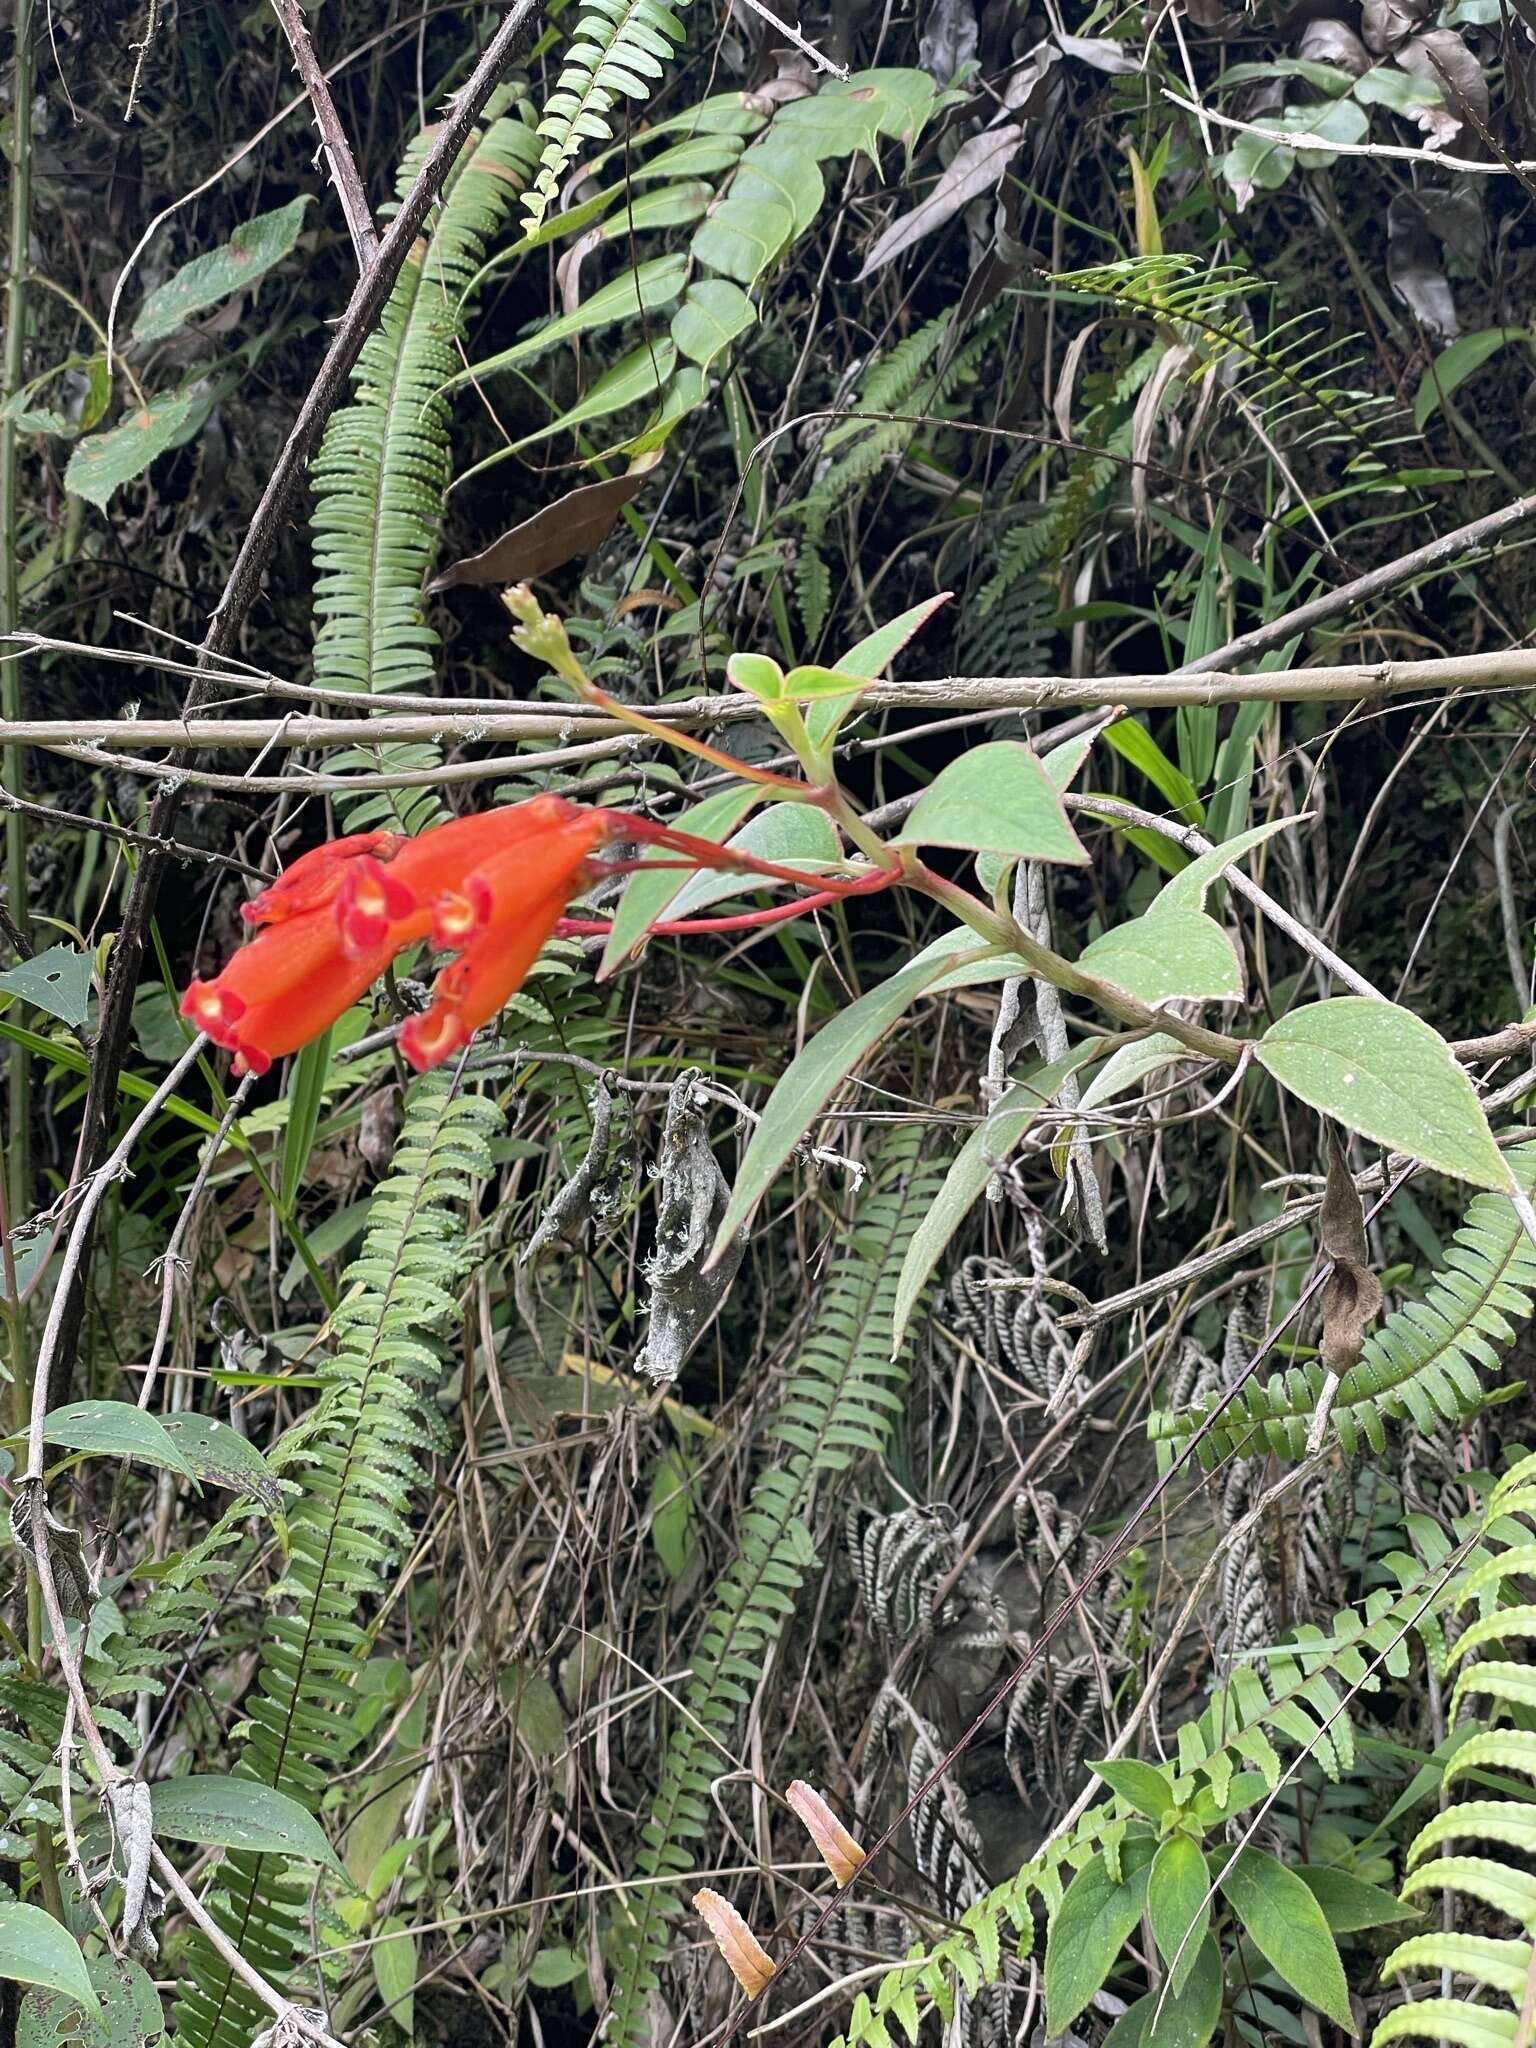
490 888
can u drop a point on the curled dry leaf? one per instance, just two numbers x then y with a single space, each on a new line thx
1387 24
573 525
949 39
1351 1295
749 1961
835 1846
1326 41
1442 58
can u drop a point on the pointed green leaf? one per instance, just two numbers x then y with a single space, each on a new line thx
1177 1905
994 799
240 1813
645 288
870 658
251 251
1172 2018
1382 1071
1088 1930
631 380
394 1971
1141 1785
1175 953
713 313
794 835
221 1456
1186 890
116 1429
808 1083
1349 1904
1286 1925
743 236
103 462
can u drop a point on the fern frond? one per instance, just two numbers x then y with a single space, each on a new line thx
1423 1363
619 49
841 1400
361 1451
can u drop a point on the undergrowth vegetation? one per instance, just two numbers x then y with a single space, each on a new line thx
897 1406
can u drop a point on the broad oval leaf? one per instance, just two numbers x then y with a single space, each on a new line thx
251 251
1382 1071
1088 1930
240 1813
1178 1905
1141 1785
1129 1065
997 798
808 1083
1286 1925
713 313
116 1429
743 236
1175 953
35 1949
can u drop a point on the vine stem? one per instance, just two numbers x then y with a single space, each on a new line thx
12 378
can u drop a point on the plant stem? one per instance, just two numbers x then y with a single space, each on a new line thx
18 1165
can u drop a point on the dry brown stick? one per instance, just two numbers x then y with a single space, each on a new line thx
333 137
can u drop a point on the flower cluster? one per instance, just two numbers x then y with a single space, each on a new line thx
489 888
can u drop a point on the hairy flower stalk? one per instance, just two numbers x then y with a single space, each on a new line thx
490 889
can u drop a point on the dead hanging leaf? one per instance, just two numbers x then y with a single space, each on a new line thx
1351 1295
574 525
948 39
1173 364
976 167
691 1199
1414 268
1386 24
1326 41
1102 53
1441 57
73 1579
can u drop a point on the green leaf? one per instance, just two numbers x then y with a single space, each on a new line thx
810 1079
221 1456
994 799
1175 953
394 1971
1128 1065
1176 1903
35 1949
968 1173
240 1813
757 675
631 380
1385 86
1128 736
713 313
100 465
647 894
1455 364
1447 2019
1088 1930
1186 891
537 1716
1286 1925
870 658
645 288
1348 1903
58 981
673 1516
744 235
306 1099
1138 1784
116 1429
792 834
1187 2018
552 1967
250 251
1383 1072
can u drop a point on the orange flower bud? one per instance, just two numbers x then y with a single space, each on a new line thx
750 1963
835 1846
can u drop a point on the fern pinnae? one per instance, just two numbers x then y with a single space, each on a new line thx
619 48
360 1449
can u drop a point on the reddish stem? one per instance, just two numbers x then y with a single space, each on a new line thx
708 853
747 920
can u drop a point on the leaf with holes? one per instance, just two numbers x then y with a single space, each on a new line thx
240 1813
115 1429
103 463
58 981
1383 1072
220 1456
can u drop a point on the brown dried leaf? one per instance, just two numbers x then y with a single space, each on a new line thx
1351 1296
976 167
1386 24
1326 41
1441 57
574 525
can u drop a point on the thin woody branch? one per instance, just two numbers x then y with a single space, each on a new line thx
333 137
